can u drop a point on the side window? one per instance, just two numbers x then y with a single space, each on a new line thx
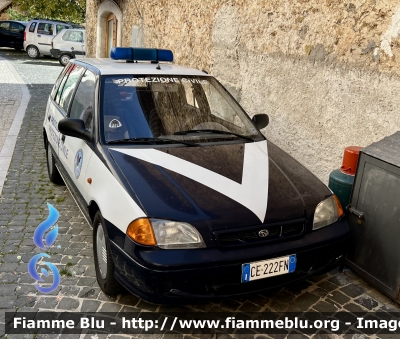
60 27
32 27
58 82
16 28
83 104
45 28
69 87
5 26
75 36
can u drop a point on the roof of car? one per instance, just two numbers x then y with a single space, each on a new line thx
20 22
51 21
107 66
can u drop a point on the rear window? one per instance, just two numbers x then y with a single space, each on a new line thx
32 27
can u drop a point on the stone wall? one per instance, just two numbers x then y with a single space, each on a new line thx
326 72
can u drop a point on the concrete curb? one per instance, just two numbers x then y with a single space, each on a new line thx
11 139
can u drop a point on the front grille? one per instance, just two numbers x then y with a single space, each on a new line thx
251 235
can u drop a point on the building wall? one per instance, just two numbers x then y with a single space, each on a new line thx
326 72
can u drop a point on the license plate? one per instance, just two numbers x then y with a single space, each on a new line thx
268 268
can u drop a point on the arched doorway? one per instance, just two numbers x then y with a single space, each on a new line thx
109 23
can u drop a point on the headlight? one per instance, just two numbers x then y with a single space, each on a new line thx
164 234
327 212
175 234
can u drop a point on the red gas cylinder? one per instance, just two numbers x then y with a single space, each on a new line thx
350 159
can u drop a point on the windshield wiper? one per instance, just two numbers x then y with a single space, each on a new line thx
139 140
213 131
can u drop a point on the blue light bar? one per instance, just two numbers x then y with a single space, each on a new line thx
141 54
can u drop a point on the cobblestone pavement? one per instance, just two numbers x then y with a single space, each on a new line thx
23 206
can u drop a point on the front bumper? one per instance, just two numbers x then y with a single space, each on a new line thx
215 272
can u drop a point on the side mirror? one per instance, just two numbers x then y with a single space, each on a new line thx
74 128
260 120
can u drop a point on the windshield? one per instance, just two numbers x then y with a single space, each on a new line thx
179 108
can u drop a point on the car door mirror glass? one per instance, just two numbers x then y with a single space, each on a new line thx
260 120
74 128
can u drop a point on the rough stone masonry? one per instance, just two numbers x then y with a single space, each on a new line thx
325 71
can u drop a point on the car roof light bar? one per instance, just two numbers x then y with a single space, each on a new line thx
130 54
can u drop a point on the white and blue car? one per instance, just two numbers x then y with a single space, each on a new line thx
186 197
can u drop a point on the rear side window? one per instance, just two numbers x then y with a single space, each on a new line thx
58 82
4 26
68 90
83 104
32 27
74 36
17 28
45 28
60 27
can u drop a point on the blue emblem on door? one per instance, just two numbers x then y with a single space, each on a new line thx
78 163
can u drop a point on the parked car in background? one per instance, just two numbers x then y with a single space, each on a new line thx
69 44
12 34
40 33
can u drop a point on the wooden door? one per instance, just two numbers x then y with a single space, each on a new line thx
111 33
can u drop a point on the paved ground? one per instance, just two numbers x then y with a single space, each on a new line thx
23 206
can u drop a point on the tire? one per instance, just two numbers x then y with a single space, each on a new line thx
54 174
32 52
103 261
64 59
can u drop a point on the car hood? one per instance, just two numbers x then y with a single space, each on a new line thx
224 186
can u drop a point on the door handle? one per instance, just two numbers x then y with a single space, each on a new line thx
63 138
39 36
49 117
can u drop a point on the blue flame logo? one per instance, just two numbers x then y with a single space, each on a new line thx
50 238
44 226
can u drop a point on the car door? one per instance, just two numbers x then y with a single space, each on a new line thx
44 35
16 35
5 34
82 107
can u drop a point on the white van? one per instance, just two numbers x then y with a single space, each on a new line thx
39 34
69 44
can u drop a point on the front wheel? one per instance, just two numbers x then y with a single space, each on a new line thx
103 262
32 52
64 59
54 174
